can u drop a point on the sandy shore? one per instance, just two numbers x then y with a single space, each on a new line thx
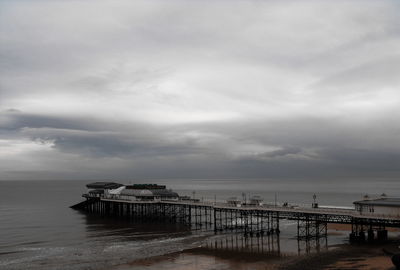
352 257
194 260
342 256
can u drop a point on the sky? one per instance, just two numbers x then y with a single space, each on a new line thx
199 89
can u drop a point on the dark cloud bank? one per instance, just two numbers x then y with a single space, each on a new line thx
296 149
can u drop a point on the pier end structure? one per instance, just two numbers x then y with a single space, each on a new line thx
385 207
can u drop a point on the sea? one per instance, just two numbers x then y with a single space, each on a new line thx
39 230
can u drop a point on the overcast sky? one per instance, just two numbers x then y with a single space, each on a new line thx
199 89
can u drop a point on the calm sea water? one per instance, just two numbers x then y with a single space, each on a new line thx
38 230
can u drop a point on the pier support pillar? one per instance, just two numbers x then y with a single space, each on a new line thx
382 235
371 235
311 227
357 232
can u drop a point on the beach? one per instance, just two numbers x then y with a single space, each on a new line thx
354 257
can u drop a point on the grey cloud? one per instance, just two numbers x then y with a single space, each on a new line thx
283 152
113 145
371 76
96 138
364 161
15 120
286 152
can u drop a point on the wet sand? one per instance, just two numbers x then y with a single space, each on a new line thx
342 256
352 257
195 260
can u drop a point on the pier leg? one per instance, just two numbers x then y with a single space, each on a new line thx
215 220
311 227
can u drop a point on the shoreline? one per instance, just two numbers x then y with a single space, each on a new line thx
362 256
347 256
343 256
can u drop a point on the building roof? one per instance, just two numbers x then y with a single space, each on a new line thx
149 193
97 191
116 191
137 192
146 186
103 185
164 193
392 202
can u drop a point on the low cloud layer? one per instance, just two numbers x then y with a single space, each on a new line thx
222 89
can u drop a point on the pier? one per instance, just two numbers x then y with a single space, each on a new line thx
251 220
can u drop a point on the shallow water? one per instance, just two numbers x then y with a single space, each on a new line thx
38 230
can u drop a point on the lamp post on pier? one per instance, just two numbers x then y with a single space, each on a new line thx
315 204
